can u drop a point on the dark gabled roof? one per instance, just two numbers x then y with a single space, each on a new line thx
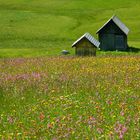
90 38
118 22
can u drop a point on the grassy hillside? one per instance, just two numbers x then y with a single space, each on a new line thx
45 27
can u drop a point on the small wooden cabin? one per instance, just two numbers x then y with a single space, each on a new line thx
86 45
113 35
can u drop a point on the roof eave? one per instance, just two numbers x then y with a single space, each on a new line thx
75 43
91 39
73 46
103 26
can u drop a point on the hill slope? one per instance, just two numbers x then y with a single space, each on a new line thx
46 27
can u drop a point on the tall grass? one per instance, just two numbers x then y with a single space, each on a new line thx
70 98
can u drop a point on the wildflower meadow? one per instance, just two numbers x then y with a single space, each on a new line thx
55 98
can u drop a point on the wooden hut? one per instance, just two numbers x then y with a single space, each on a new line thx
86 45
113 35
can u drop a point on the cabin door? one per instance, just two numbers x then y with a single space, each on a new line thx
107 42
119 42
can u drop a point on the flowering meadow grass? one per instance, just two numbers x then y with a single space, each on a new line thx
70 98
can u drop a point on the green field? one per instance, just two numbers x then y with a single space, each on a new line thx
56 98
45 27
45 96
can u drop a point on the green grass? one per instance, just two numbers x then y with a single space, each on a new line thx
70 98
57 97
51 26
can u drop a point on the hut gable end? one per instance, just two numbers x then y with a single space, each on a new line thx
86 45
118 23
111 28
91 39
113 35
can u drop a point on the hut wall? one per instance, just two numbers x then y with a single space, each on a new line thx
112 38
85 48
